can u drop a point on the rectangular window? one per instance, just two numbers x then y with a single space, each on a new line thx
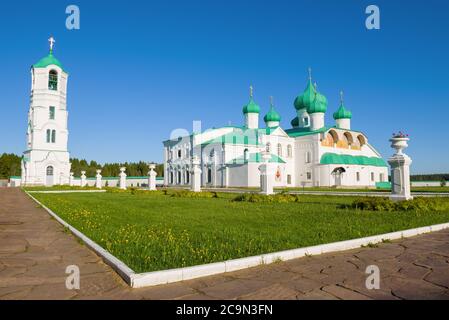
309 175
372 176
381 177
308 157
358 176
52 113
179 153
289 179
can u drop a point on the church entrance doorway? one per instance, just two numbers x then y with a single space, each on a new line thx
337 174
49 180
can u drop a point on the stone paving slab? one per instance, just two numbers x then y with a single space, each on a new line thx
35 251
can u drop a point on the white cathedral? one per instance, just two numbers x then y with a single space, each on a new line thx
310 154
46 159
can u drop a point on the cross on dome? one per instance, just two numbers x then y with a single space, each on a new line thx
52 42
251 91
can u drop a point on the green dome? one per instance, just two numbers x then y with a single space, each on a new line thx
305 100
295 122
342 113
272 115
48 61
319 104
251 107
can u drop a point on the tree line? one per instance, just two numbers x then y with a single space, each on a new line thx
10 165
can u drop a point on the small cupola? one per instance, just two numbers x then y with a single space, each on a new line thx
343 116
251 112
272 118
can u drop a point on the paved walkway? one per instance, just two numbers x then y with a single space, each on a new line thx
35 251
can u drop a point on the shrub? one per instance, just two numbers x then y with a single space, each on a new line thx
277 198
191 194
385 204
443 183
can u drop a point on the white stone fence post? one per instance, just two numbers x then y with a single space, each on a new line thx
152 177
83 179
98 181
122 181
71 179
400 170
196 175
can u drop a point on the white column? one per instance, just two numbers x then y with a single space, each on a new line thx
267 174
122 181
196 175
400 170
98 181
83 178
152 177
71 179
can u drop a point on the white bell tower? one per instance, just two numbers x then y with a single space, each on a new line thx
46 159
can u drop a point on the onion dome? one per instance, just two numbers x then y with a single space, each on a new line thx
295 122
251 107
50 59
272 115
305 100
342 112
319 104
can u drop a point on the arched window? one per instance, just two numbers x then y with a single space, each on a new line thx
48 135
289 151
53 80
279 150
348 138
268 147
53 136
362 140
50 171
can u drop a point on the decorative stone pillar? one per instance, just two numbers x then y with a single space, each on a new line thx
71 179
122 181
83 179
267 174
196 175
152 177
98 181
400 170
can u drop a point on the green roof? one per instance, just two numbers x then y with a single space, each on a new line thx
299 132
48 61
272 115
342 113
255 158
333 158
251 107
383 185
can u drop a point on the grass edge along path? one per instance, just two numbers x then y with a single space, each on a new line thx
151 232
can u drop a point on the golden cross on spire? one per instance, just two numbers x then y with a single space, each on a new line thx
251 89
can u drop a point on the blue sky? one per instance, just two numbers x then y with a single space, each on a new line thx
139 69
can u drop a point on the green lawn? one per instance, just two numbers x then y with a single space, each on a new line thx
156 231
